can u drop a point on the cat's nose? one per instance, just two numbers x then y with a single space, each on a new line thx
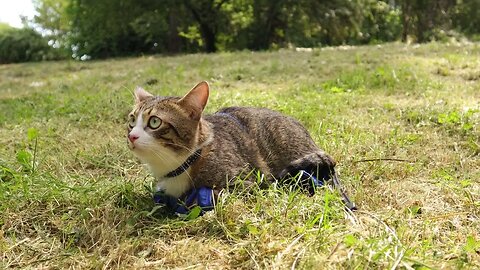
132 137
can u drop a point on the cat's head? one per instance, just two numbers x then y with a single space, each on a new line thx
164 131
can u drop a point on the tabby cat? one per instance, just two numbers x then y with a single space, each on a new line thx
186 149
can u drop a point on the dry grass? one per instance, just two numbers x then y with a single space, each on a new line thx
72 196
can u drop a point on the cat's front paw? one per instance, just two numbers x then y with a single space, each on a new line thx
202 197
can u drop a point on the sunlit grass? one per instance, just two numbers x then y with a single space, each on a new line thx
402 122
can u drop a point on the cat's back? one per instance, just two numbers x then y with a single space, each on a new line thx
250 116
279 138
256 119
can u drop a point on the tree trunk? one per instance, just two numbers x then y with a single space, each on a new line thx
265 27
406 17
209 37
174 41
207 25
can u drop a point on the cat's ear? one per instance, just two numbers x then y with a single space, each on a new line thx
196 100
141 94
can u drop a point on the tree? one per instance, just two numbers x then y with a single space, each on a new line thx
421 17
466 16
53 18
23 45
267 19
107 28
209 16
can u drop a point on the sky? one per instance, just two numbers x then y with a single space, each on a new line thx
10 11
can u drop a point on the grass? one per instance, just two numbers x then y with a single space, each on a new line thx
73 196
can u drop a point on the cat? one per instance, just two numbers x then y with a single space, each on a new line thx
185 149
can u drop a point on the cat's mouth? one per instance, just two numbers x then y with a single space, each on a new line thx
137 146
131 145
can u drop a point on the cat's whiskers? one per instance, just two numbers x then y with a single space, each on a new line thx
191 151
167 156
190 179
151 148
162 158
178 186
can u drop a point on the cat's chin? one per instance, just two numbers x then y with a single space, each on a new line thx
160 161
131 145
139 153
142 156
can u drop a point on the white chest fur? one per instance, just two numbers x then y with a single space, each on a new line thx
175 186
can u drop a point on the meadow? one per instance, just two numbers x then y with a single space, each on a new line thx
402 121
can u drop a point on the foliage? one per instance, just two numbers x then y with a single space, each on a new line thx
382 22
466 16
424 19
109 28
4 27
54 20
23 45
106 28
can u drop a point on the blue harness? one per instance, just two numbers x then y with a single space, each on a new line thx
204 197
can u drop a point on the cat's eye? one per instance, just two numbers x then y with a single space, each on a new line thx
154 122
131 121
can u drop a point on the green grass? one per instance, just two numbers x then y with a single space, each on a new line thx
73 196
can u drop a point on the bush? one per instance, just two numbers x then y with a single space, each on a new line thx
381 23
466 17
24 45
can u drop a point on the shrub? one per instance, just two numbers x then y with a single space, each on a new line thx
24 45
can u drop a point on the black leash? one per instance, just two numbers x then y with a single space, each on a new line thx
338 185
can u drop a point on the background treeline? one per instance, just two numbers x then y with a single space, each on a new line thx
85 29
25 45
